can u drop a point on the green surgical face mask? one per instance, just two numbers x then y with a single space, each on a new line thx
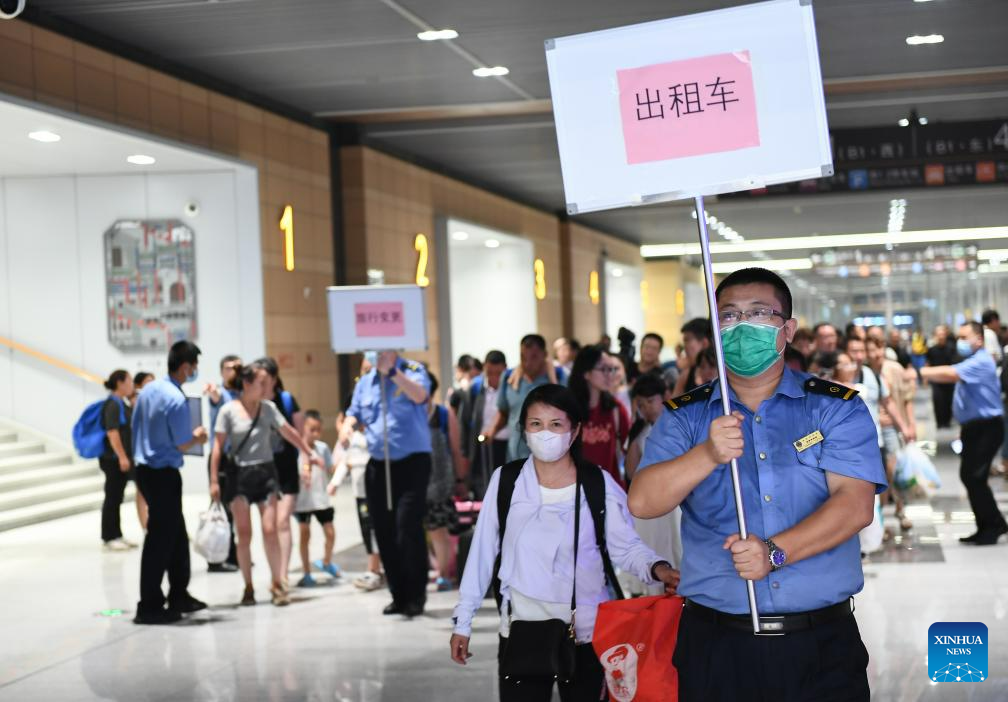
749 349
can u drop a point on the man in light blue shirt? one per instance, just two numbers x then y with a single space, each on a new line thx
977 407
399 531
162 432
809 467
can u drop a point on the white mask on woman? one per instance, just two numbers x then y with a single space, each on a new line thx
548 446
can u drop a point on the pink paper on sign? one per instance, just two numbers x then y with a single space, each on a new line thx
379 319
691 107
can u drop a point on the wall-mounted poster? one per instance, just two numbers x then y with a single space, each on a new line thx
150 280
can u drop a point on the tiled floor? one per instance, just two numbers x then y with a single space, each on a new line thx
59 643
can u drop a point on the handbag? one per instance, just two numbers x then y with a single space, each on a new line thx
545 649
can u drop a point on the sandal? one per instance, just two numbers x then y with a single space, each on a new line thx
280 596
248 597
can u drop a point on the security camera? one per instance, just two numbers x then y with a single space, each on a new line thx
9 9
191 209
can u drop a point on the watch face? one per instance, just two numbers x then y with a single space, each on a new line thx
777 557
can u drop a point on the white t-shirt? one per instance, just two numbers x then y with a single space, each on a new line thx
490 411
315 497
869 391
991 344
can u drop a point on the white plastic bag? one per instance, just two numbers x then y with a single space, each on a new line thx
872 535
916 472
213 537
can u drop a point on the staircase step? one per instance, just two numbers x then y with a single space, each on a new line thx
47 475
55 509
7 435
40 460
49 492
9 449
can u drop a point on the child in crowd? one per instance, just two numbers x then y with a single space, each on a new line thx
313 499
354 462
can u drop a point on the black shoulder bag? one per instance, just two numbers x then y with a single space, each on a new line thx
545 649
229 459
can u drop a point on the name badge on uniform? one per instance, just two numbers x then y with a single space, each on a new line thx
808 441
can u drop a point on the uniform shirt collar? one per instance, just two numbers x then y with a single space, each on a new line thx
790 385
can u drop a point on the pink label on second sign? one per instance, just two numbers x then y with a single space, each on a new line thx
379 319
688 108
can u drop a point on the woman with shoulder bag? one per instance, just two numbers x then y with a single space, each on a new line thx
548 569
247 424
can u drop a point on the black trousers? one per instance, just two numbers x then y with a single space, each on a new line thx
981 441
941 400
222 480
587 685
166 547
402 544
826 663
115 488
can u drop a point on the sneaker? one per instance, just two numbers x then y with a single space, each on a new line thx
129 544
248 597
413 609
115 545
280 596
370 581
158 616
332 568
393 608
187 605
444 585
222 567
307 581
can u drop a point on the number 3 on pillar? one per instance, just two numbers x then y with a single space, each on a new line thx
420 244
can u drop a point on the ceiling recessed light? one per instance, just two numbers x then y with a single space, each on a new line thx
918 39
904 122
141 159
460 236
490 71
922 121
437 35
617 272
45 136
491 244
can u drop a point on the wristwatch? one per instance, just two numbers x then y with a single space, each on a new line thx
655 567
777 555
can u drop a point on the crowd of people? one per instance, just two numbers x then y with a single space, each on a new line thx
536 442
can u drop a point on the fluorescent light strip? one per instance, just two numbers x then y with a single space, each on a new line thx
780 264
830 241
918 39
437 35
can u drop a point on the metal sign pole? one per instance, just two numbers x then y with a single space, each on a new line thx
388 462
723 383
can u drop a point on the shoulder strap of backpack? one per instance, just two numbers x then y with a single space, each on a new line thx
288 404
594 488
505 490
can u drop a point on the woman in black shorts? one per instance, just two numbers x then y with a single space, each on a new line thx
285 456
247 424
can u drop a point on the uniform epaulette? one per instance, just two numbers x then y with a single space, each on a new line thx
829 388
410 365
700 393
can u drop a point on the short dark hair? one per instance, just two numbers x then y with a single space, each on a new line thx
825 359
495 357
574 344
851 328
653 335
707 356
466 362
976 327
230 358
313 414
847 342
793 354
533 340
648 385
116 377
434 384
989 316
748 276
182 352
698 327
804 334
563 399
141 377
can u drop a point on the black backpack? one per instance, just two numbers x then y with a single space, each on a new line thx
593 484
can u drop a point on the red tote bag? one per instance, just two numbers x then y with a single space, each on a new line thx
634 640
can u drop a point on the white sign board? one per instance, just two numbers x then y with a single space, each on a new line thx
376 318
696 105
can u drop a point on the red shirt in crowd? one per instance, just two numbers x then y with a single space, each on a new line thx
601 436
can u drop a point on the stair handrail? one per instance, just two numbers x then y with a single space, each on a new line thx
46 358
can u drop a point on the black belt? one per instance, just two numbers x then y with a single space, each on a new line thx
773 624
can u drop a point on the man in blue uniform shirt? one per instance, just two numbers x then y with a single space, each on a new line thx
977 407
399 532
809 467
162 432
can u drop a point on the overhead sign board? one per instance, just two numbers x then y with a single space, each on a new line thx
697 105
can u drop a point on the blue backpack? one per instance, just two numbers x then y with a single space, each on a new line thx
88 433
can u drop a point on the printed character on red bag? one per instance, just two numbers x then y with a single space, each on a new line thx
620 663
